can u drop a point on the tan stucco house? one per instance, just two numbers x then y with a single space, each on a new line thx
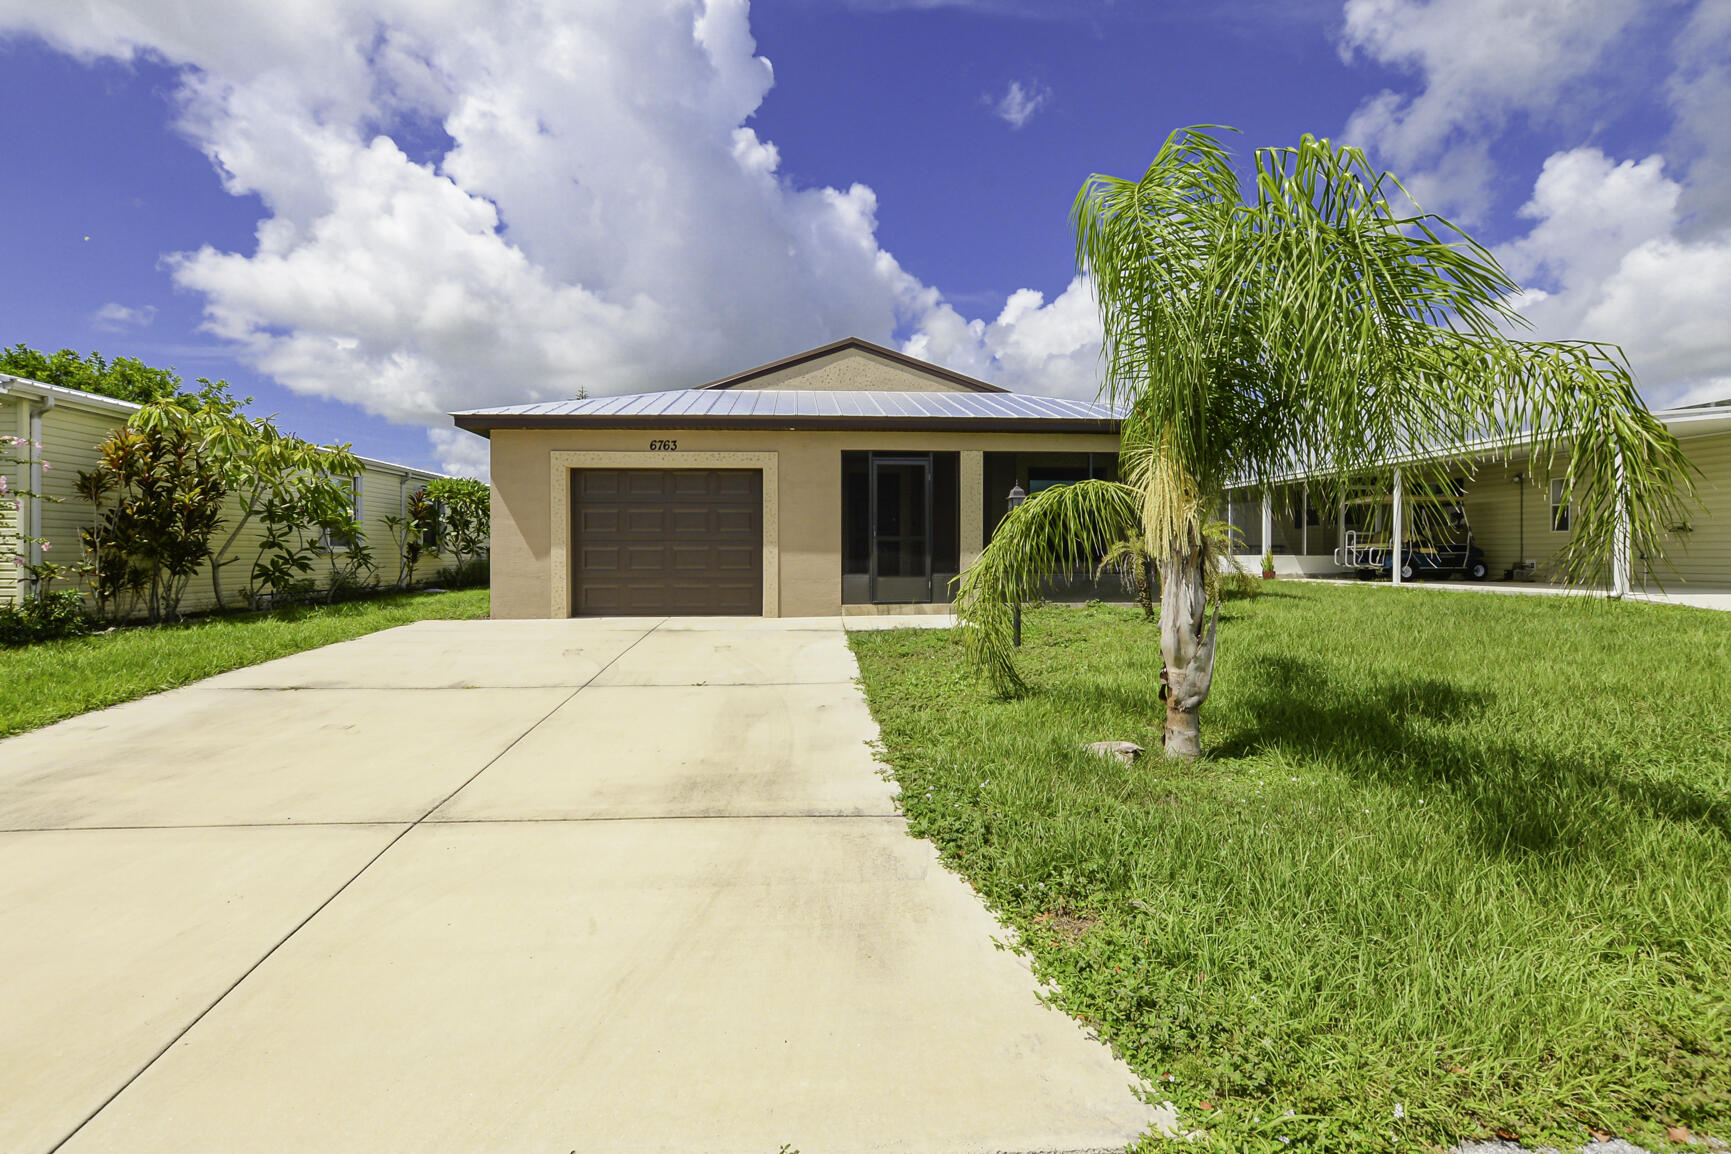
846 479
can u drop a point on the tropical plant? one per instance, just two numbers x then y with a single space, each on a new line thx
414 534
1133 565
259 464
168 505
92 486
284 556
1312 328
463 518
1227 576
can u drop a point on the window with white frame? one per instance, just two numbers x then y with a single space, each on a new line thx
1559 505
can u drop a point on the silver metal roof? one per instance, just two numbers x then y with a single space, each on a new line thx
799 406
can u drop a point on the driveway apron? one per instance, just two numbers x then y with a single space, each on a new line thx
589 885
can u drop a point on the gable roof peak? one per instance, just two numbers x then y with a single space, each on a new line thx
860 345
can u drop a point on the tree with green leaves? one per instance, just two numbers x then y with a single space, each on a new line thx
1308 328
259 464
124 378
464 514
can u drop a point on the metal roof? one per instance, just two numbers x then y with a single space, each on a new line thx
856 344
799 408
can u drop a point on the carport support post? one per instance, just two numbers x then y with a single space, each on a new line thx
1341 529
1267 520
1017 496
1304 519
1399 527
1622 577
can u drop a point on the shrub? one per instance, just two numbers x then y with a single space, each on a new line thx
472 572
46 618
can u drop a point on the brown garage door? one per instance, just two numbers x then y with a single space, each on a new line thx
675 541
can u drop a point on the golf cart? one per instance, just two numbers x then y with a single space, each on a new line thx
1438 541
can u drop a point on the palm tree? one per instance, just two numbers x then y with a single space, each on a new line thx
1309 330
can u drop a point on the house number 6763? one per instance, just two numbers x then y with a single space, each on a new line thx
663 446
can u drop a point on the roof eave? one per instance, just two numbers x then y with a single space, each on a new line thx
484 422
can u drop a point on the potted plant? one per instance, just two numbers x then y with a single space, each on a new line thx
1268 566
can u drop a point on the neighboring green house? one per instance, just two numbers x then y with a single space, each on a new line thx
1520 522
69 424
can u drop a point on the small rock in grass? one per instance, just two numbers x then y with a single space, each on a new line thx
1124 751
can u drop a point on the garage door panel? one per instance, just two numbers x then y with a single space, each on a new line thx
647 521
691 521
738 486
599 558
646 559
667 541
736 560
736 522
595 521
690 483
644 483
598 482
599 600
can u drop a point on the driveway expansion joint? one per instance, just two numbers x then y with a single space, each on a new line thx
338 892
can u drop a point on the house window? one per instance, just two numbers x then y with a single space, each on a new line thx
335 540
1559 505
430 530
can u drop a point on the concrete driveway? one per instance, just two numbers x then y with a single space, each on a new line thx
510 886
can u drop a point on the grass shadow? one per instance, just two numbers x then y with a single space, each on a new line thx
1416 733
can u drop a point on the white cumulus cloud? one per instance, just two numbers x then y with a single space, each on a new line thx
596 212
1636 252
1606 262
1480 63
1057 344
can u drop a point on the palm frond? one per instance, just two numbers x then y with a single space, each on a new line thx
1063 528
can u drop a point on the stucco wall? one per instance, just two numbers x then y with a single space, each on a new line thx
808 499
853 369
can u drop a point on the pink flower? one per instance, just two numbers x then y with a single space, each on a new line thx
45 545
46 467
18 561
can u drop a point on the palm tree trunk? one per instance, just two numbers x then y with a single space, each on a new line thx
1187 648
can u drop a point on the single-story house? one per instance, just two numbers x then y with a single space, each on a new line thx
1520 520
849 478
69 424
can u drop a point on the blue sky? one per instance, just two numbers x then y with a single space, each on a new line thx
366 213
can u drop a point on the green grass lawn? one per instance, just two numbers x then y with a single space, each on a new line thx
44 683
1453 863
